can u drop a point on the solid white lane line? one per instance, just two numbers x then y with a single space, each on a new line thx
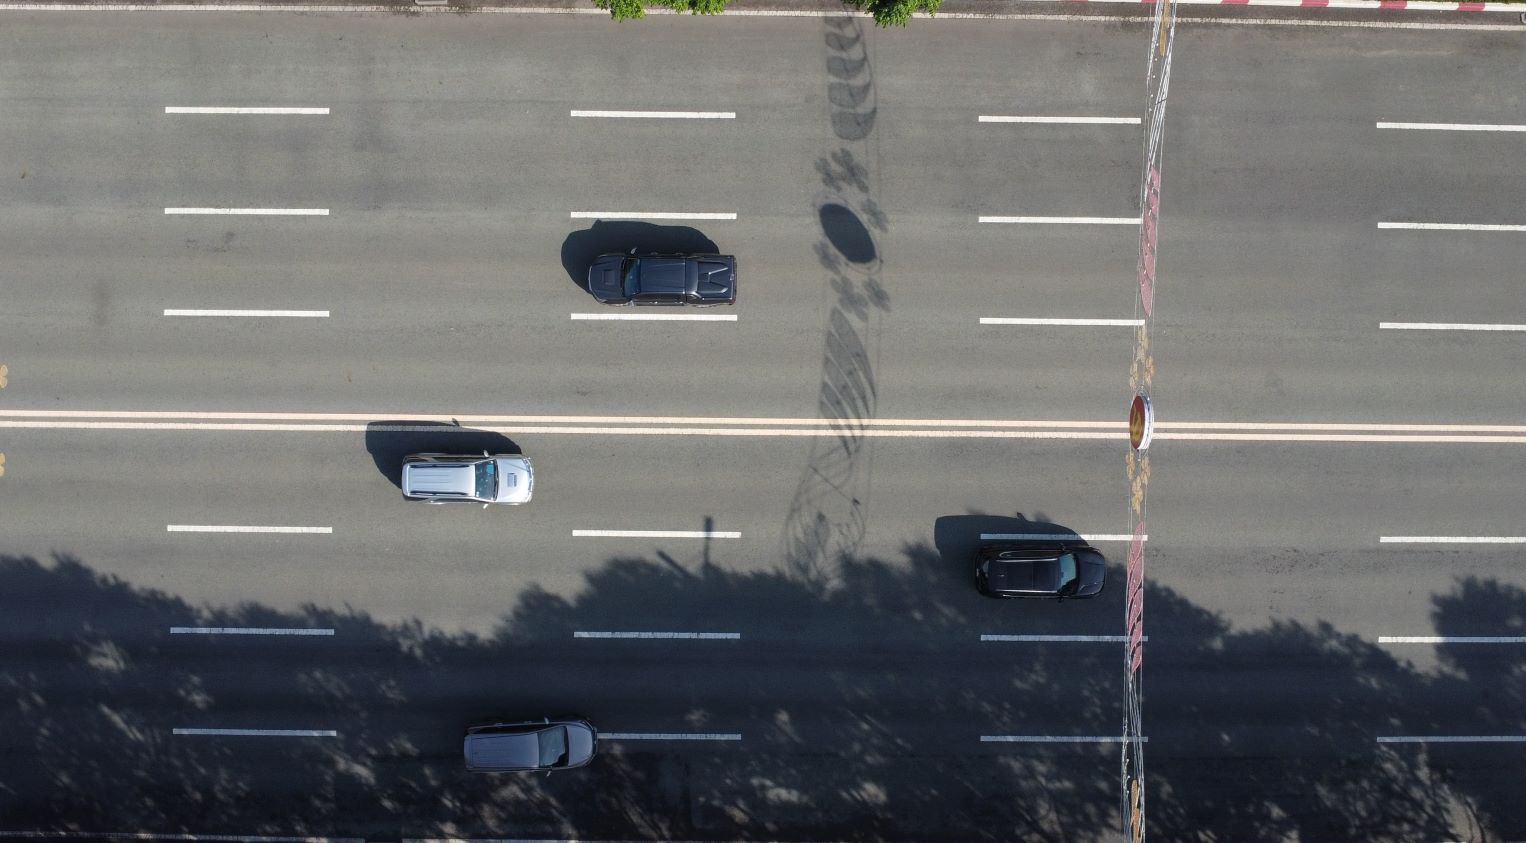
658 534
262 212
367 8
247 630
1065 220
1027 118
1061 639
1451 639
670 736
746 420
1453 739
295 314
1449 326
214 528
1451 226
1003 320
601 431
1059 537
1394 428
681 636
1339 437
494 419
262 733
868 431
1455 127
191 838
203 109
655 317
1452 540
650 215
1059 739
661 115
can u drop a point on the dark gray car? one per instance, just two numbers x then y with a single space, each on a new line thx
538 746
1039 570
670 280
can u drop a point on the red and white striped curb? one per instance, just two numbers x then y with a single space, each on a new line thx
1411 5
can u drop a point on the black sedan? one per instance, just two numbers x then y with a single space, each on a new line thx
538 746
1039 570
673 280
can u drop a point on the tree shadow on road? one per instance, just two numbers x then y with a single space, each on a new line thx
862 705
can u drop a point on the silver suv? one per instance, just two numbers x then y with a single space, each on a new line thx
442 478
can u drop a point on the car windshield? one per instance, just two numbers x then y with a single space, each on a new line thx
1068 575
553 746
487 479
630 282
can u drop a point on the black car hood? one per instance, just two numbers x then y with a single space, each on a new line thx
716 278
1091 576
604 278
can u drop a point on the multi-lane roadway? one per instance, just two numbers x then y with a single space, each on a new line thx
747 556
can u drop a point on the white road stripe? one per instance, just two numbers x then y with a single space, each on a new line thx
745 420
1059 739
1061 639
263 212
1455 127
296 314
662 115
1065 220
370 9
1004 320
1388 428
363 8
1452 540
1451 226
686 420
868 431
262 733
658 534
203 109
670 736
214 528
650 215
683 636
1451 639
194 838
1449 326
655 317
1056 429
1453 739
1028 118
1339 437
247 630
1059 537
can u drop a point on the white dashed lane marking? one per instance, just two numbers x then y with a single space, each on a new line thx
207 109
222 528
247 630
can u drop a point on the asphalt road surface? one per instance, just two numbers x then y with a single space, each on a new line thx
747 560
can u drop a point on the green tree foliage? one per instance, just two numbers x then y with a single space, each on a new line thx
885 12
894 12
632 9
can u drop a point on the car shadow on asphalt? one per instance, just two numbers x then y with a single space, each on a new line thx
619 236
389 441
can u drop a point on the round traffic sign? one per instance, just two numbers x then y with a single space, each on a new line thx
1141 422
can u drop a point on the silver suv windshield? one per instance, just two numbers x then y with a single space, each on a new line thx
487 479
553 746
